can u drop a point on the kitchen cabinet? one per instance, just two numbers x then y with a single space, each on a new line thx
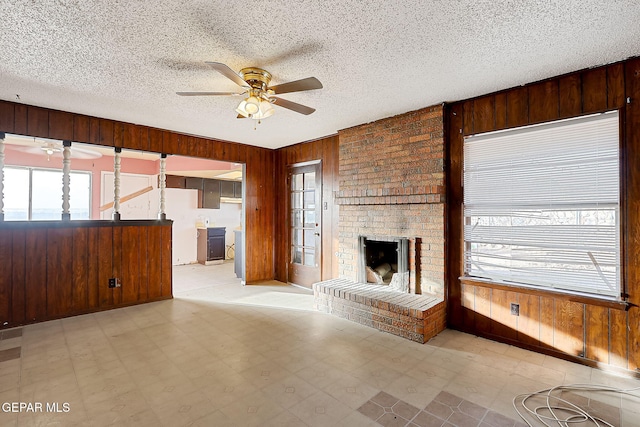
210 194
173 181
211 245
237 189
192 183
227 189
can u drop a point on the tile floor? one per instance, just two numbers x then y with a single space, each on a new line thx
220 354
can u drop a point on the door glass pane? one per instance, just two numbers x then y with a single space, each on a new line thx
46 200
309 218
296 181
309 238
309 181
297 255
309 256
296 237
16 195
296 200
296 218
309 199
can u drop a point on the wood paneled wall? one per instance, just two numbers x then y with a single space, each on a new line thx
575 328
259 181
50 270
325 150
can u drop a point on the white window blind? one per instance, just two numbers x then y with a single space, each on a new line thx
541 205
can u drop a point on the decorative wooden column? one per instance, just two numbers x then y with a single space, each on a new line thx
116 184
162 184
66 180
2 176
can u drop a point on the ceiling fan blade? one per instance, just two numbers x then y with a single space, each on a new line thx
240 116
293 106
309 83
228 73
208 93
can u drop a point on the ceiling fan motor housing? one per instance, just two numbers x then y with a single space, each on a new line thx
256 77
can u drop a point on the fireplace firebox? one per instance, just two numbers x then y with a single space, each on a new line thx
384 261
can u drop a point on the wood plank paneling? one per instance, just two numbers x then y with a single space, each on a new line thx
484 114
18 278
81 128
165 263
20 119
155 140
619 333
469 307
106 135
529 319
118 134
49 272
94 130
36 275
6 239
544 101
59 285
615 86
80 270
7 117
517 107
547 321
93 267
105 266
503 322
597 333
594 90
60 125
37 122
142 269
631 223
154 256
501 111
569 327
130 263
467 118
483 309
453 214
570 95
116 267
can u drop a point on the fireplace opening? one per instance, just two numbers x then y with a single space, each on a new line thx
384 262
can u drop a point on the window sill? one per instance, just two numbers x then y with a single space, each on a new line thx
583 299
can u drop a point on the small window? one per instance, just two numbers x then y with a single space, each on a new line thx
542 208
36 194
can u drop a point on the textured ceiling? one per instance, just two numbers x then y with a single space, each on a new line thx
125 60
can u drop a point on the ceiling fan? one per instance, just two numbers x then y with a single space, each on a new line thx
259 95
52 148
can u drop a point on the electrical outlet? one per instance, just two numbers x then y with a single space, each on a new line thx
515 309
114 282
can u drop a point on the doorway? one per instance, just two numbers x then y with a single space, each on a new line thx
305 228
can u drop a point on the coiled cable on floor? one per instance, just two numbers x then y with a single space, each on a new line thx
554 404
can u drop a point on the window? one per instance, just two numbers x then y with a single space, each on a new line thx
36 194
541 205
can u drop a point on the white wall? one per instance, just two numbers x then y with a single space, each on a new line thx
181 207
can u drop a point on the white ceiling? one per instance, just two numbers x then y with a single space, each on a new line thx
125 60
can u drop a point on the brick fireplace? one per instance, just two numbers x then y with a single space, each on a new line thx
391 182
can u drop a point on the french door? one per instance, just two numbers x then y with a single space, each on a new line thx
305 213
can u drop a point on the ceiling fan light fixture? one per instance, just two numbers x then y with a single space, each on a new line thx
241 108
266 109
252 105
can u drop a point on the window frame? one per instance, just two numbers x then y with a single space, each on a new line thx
620 211
31 169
